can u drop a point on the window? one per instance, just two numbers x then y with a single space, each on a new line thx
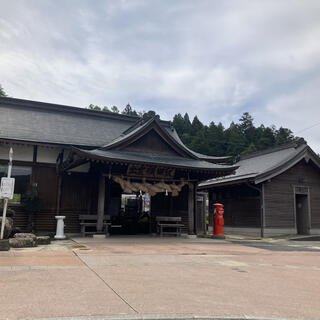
22 177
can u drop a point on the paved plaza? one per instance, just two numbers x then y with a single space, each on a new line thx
147 276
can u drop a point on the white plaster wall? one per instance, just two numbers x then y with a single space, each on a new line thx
20 152
47 154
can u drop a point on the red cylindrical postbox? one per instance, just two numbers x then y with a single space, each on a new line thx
218 220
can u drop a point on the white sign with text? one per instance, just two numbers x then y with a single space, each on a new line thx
7 188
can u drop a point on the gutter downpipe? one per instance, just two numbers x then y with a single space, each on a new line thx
261 195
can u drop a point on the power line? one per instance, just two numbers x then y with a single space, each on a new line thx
307 128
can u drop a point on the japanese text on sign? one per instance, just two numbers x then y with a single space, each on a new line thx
6 188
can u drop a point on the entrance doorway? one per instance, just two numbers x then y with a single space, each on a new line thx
135 213
302 213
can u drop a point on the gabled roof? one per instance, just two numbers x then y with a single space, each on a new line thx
154 159
212 159
138 131
39 122
261 166
119 150
32 121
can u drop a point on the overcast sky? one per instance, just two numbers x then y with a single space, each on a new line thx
214 59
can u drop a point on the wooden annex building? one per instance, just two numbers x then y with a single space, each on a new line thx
274 192
85 162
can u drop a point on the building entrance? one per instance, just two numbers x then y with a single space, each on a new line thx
134 216
302 213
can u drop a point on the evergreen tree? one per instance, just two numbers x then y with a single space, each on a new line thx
93 107
106 109
199 142
2 92
236 140
178 123
115 109
196 124
150 114
284 135
129 111
240 138
266 138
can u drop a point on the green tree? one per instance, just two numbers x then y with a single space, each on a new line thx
216 139
93 107
284 135
2 92
178 123
248 129
115 109
105 109
129 111
236 141
150 114
196 124
266 137
199 142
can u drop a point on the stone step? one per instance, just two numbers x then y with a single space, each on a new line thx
43 240
22 242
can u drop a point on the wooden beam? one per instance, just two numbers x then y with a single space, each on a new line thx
101 201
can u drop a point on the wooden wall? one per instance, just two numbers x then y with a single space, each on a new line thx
78 196
241 205
162 205
279 196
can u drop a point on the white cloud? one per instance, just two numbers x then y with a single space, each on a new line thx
215 59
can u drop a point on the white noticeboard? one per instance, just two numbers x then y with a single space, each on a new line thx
7 188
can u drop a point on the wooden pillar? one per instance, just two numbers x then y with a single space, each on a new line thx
195 208
191 208
59 194
101 201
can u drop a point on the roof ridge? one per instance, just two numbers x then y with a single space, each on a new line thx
294 144
65 108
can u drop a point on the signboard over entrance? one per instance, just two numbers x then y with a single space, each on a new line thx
136 170
7 188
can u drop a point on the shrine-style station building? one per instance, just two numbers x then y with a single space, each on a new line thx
86 162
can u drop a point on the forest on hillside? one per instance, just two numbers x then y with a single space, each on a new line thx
214 139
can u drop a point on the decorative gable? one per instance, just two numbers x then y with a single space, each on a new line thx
151 142
150 137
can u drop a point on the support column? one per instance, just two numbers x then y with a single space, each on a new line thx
59 193
191 208
101 201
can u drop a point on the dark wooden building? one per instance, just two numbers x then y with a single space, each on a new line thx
273 192
90 162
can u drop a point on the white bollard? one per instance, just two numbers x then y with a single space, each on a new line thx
60 228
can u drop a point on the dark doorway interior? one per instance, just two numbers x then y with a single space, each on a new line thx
302 214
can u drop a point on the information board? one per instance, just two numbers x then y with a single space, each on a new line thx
7 188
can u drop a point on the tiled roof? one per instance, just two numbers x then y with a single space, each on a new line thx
34 121
261 165
154 158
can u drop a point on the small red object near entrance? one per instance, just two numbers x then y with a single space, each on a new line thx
218 220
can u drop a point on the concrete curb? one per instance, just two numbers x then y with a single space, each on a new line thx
167 317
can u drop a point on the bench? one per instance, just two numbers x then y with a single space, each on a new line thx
172 223
90 220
